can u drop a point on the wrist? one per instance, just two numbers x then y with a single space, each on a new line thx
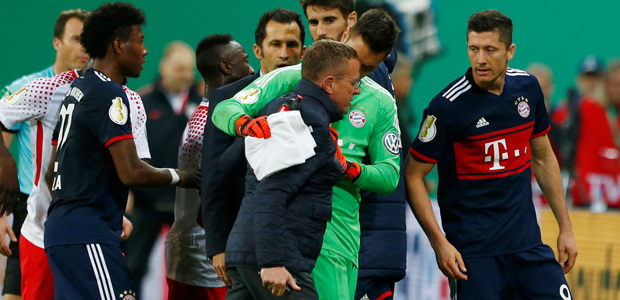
175 176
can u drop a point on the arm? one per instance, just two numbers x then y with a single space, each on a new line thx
9 184
547 172
134 172
253 98
383 172
448 258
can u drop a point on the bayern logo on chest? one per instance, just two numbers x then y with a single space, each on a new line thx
522 107
357 118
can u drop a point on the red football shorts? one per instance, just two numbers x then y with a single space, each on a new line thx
182 291
37 278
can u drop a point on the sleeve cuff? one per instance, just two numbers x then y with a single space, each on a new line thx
423 157
118 138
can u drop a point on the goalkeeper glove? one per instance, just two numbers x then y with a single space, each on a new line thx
258 128
350 170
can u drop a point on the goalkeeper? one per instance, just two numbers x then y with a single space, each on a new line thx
369 123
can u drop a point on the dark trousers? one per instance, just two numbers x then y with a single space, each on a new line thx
248 285
147 224
374 289
13 274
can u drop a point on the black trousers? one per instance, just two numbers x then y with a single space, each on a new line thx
147 224
247 285
13 274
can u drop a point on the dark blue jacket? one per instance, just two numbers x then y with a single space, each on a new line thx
282 218
220 192
383 242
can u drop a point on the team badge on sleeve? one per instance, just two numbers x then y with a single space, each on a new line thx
118 111
14 98
248 97
391 142
357 118
522 107
429 130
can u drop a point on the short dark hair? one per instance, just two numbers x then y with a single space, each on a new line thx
109 22
346 7
492 20
209 54
326 56
377 29
282 16
65 16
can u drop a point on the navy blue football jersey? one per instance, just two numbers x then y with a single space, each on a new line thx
89 199
481 144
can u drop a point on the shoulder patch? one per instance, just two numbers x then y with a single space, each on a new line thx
14 98
248 96
429 130
118 111
391 142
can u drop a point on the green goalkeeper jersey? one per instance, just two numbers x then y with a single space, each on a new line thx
370 128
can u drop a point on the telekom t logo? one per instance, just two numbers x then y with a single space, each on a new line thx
497 153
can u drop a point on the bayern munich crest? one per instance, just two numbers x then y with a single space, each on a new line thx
522 107
357 118
131 295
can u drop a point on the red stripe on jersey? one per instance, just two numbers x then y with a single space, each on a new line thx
54 143
542 132
39 151
423 157
498 155
500 132
118 138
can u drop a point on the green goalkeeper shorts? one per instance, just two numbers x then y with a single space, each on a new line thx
334 276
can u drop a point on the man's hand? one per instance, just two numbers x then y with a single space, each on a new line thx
9 184
127 228
567 250
5 228
276 278
220 268
450 261
258 128
350 170
189 179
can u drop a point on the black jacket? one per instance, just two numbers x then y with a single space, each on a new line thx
383 241
164 131
282 218
221 193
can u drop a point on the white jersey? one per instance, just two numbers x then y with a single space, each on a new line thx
186 259
39 102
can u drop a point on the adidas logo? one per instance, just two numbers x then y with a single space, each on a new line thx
482 122
365 297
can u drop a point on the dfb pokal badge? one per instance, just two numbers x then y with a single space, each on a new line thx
522 107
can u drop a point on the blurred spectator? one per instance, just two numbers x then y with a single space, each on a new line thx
597 165
168 105
544 75
589 80
403 81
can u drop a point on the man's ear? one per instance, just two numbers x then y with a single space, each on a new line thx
117 46
351 19
225 67
303 52
327 84
56 42
258 52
